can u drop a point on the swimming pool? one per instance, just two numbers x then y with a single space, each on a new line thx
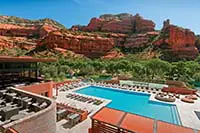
136 103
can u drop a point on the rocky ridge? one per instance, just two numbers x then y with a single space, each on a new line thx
100 37
30 23
23 33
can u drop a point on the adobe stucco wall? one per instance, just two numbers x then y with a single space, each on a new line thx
40 88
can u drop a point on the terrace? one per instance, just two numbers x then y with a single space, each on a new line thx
17 106
68 117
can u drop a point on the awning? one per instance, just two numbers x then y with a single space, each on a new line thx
122 121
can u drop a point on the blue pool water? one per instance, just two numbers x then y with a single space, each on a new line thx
136 103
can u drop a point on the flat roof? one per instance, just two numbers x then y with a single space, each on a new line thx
24 59
136 123
163 127
109 116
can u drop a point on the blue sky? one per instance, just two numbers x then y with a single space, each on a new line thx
185 13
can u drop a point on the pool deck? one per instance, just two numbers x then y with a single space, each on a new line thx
61 98
83 126
186 110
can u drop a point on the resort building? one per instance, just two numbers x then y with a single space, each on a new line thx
23 73
22 109
31 104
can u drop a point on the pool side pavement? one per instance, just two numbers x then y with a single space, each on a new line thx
186 110
86 124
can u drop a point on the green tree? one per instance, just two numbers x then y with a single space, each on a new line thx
179 71
138 71
157 68
196 77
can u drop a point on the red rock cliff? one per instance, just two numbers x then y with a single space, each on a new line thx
12 36
22 31
14 30
121 23
139 40
91 45
181 42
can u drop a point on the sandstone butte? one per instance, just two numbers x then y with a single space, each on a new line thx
121 23
179 41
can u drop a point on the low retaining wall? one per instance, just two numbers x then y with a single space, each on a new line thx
40 88
43 121
57 84
182 91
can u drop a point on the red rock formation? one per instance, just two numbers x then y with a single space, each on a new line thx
20 31
12 36
121 23
113 29
91 45
119 39
77 28
113 55
197 43
14 30
94 25
5 43
181 42
45 29
136 41
17 42
139 40
142 25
